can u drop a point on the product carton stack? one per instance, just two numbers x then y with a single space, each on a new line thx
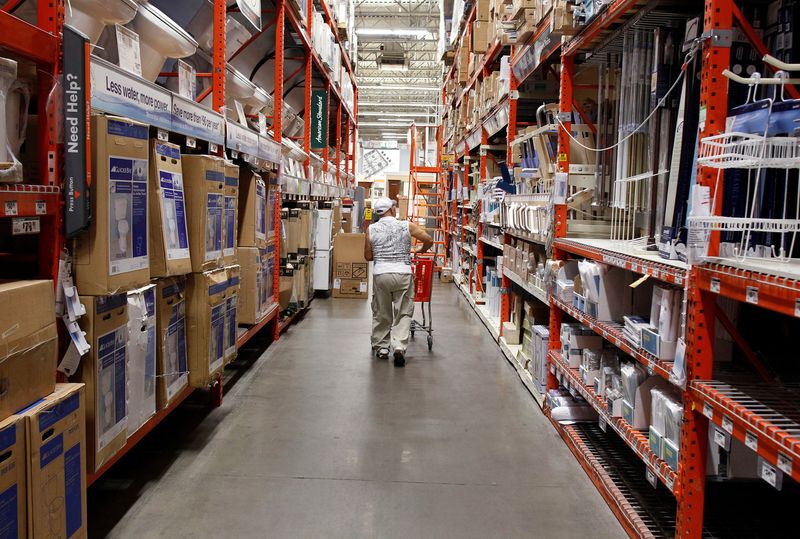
297 256
350 268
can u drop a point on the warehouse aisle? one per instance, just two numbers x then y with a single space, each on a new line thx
319 439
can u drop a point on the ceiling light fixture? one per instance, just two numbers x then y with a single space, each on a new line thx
386 104
410 32
398 114
400 87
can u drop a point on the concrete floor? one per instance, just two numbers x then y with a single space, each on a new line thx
319 439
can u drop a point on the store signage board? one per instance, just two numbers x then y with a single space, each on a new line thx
269 150
319 119
77 172
241 140
117 92
194 120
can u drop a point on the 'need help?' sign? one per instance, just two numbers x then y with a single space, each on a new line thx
319 119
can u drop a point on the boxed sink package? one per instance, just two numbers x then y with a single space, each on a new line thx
172 368
54 435
29 347
113 255
230 236
206 293
169 236
140 392
103 370
253 214
204 178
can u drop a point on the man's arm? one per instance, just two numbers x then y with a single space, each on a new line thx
420 234
367 247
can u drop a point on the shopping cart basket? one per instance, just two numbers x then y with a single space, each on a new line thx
423 286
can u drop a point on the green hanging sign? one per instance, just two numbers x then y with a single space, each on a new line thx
319 119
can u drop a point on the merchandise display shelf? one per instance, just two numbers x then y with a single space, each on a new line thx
511 353
766 418
613 333
635 439
250 331
615 11
533 290
530 238
491 323
539 47
471 229
137 436
626 257
25 200
641 510
494 244
769 284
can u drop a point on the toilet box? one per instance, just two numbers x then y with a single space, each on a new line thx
103 370
140 392
13 484
113 255
172 369
205 316
231 312
169 236
54 436
204 178
253 211
230 236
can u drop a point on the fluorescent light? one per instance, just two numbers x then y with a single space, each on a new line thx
400 87
382 104
389 124
398 114
412 32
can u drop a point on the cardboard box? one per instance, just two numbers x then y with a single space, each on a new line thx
285 292
253 211
29 347
230 221
54 436
103 371
231 312
482 9
13 481
347 220
140 392
205 315
171 360
402 208
292 227
204 177
255 296
350 268
480 36
169 236
304 232
112 256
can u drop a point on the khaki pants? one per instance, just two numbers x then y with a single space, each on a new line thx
392 309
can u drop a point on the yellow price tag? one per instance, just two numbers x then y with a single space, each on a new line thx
368 214
562 156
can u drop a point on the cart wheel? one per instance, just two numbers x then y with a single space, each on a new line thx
430 342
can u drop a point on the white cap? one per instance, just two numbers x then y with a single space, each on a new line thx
382 204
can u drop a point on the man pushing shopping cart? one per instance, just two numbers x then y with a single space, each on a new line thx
388 244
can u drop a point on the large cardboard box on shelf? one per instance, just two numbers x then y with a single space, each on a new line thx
480 35
113 256
140 392
204 178
305 227
255 296
347 220
169 235
103 371
56 473
293 230
13 481
230 221
172 368
350 268
232 296
482 9
254 213
205 315
29 346
286 284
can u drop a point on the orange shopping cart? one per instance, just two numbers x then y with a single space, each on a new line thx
423 286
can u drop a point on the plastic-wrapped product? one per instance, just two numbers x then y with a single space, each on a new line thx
658 407
673 418
632 376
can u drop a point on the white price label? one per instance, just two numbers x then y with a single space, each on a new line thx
163 135
212 148
797 307
602 423
552 369
714 286
41 207
234 154
651 477
751 441
634 267
651 367
708 411
720 439
727 424
784 464
11 208
751 295
769 474
25 225
671 484
191 142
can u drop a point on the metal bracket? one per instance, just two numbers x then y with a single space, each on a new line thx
513 95
504 291
719 37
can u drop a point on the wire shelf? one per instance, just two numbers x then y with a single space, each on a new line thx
748 151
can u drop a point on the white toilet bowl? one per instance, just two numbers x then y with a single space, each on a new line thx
91 16
237 87
202 26
159 38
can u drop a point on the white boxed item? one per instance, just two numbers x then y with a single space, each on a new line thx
637 397
577 343
321 277
140 392
323 235
541 341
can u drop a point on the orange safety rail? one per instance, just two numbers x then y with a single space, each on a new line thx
423 279
636 440
613 333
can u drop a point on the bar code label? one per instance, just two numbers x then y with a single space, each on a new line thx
708 411
651 477
603 425
11 208
41 207
784 464
769 474
714 286
163 135
751 295
191 142
727 424
751 441
212 148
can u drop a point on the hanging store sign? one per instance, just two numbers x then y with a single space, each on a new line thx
242 139
319 119
77 172
269 150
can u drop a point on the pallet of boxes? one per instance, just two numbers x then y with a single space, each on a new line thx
297 255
